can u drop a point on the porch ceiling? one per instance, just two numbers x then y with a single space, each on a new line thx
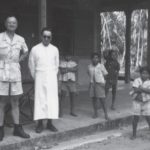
130 3
104 5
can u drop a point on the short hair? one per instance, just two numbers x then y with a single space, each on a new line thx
95 54
144 68
106 54
46 29
11 16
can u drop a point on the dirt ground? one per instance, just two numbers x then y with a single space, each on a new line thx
142 142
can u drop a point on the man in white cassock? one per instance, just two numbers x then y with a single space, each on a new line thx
43 65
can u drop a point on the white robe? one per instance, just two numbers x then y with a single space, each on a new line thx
43 65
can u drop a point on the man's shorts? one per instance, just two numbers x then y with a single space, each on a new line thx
68 86
96 90
14 88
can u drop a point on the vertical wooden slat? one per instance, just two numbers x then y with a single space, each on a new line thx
148 40
42 14
128 43
97 30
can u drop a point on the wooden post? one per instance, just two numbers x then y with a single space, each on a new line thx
97 31
128 43
148 40
42 14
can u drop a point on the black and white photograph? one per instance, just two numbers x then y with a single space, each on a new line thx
74 74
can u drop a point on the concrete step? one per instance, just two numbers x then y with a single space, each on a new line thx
54 138
99 138
83 141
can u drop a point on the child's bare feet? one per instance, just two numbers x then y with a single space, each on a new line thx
133 137
94 116
112 108
107 118
73 114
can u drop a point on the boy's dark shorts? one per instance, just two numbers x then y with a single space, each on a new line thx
69 86
111 84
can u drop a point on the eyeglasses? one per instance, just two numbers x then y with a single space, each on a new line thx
46 37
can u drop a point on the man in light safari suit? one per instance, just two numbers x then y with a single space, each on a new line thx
11 45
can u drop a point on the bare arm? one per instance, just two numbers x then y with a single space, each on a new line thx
144 90
23 56
73 69
32 64
137 90
24 51
66 70
63 70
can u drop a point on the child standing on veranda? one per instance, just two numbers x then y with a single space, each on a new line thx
141 98
68 79
97 73
112 66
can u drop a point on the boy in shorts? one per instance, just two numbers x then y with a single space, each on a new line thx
97 73
68 70
112 66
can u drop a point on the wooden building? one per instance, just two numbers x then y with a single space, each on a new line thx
75 23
